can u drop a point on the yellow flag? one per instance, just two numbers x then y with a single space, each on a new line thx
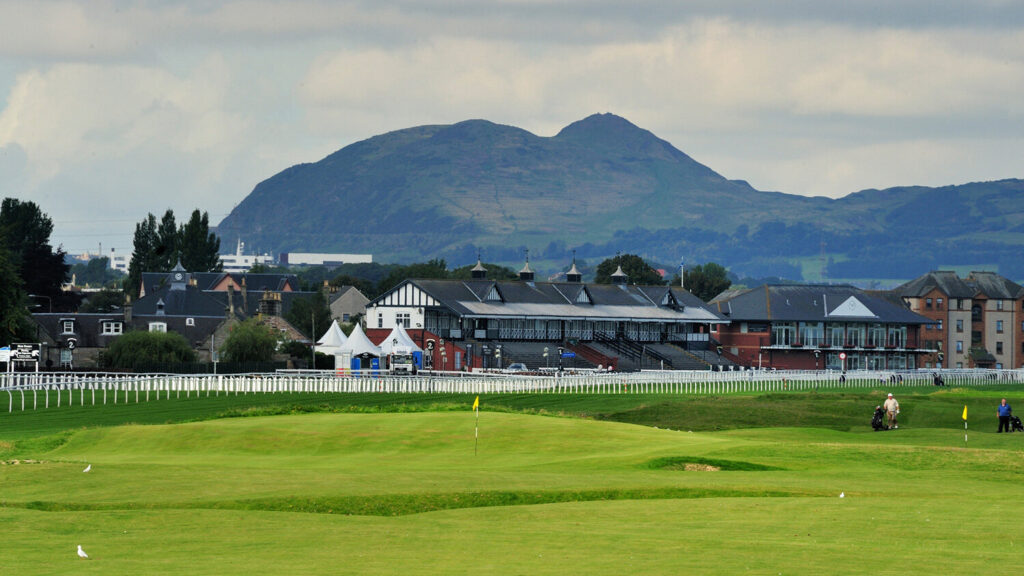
476 405
965 412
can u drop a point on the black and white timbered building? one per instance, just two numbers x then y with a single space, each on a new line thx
487 310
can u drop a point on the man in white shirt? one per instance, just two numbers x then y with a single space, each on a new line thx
892 408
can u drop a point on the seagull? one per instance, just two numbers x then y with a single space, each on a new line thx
87 468
842 494
81 553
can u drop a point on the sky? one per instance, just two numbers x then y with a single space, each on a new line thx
113 110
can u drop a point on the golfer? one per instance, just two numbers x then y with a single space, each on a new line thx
892 408
1004 412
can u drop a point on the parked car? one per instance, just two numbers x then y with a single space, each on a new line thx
516 367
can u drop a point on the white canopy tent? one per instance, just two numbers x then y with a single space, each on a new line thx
358 344
332 340
398 338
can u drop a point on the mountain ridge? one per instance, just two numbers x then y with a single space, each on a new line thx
603 185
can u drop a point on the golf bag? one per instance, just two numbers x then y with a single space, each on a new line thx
1015 424
878 420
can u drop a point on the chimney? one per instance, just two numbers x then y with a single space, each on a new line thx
127 311
245 299
231 301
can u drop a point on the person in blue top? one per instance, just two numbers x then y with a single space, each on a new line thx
1004 413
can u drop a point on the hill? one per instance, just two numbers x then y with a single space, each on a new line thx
604 185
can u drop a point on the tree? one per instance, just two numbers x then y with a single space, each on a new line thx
159 248
105 301
167 251
138 348
143 255
706 280
494 272
25 231
200 248
636 269
361 284
15 325
434 269
95 272
305 312
250 341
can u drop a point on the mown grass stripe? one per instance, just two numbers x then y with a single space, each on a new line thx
406 504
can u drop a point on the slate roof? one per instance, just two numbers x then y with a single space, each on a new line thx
153 281
995 286
89 327
813 303
560 300
990 284
945 281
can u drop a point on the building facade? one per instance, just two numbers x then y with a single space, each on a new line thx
816 327
979 319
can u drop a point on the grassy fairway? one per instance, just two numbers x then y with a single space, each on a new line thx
390 485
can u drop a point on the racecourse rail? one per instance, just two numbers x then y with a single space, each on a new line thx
32 390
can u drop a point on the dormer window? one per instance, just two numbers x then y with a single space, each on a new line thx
190 321
158 327
111 327
67 326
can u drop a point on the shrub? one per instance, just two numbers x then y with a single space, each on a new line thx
138 347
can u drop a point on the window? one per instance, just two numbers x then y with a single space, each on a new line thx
999 326
999 304
111 327
403 319
959 325
938 303
928 303
959 345
960 365
158 327
380 320
67 327
999 347
939 327
344 317
190 321
999 365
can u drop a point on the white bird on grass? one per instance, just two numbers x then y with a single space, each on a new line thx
81 553
87 468
842 494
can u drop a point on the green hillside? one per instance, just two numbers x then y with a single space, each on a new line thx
600 186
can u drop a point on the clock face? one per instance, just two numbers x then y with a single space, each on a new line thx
177 276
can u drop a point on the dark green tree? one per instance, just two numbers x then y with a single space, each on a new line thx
363 285
25 231
636 269
138 348
250 341
168 243
200 248
105 301
494 272
705 281
143 255
95 273
305 312
434 269
15 325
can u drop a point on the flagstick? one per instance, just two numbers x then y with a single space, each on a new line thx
476 431
965 431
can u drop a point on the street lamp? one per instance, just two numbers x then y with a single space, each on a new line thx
49 301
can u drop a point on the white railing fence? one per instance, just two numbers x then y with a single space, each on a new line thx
31 391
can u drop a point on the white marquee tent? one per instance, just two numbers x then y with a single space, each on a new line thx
398 338
332 340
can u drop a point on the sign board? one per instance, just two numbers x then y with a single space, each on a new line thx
5 353
25 352
568 354
842 355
